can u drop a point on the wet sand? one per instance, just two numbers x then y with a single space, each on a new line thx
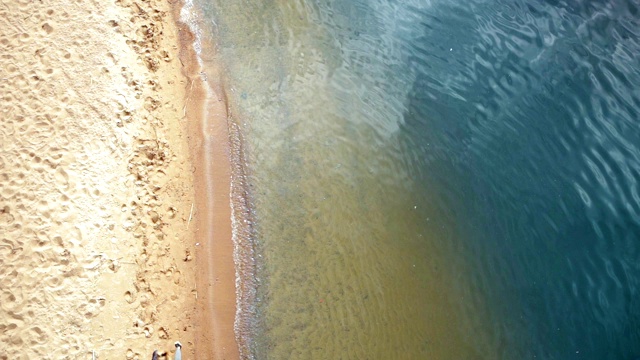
104 247
206 109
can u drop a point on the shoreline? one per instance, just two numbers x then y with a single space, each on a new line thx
209 141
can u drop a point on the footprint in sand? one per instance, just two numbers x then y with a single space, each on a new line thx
129 297
38 335
62 177
6 218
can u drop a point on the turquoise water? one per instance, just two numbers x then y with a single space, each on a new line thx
437 179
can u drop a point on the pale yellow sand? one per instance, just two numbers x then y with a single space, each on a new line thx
96 187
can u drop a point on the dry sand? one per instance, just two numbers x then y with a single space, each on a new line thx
98 216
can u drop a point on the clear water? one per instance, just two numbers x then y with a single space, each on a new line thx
439 179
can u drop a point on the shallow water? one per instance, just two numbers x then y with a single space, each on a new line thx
439 179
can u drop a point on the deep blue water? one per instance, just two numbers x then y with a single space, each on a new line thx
524 114
429 176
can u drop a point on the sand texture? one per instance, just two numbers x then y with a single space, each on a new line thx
96 194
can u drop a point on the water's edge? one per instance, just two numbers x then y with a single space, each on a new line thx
224 253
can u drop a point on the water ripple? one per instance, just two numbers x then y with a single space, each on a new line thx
487 149
547 129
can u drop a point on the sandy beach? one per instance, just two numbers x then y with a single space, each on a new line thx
101 210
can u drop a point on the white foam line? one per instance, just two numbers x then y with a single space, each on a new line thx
189 16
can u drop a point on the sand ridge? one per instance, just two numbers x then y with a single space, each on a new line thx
96 195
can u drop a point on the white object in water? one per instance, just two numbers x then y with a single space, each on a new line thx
178 355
